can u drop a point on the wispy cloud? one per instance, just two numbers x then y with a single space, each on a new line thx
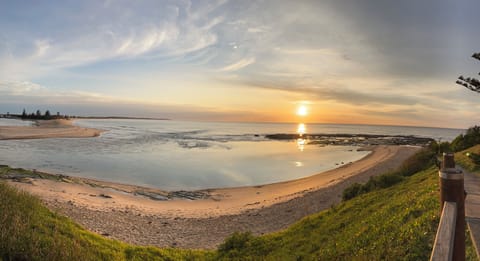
176 30
238 65
258 29
38 94
19 88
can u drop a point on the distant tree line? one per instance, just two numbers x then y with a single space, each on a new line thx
39 116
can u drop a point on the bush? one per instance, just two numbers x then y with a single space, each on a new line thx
387 180
233 244
418 162
352 191
470 139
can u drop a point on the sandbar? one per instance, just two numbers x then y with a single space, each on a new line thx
43 129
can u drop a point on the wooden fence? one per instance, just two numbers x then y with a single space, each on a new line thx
450 239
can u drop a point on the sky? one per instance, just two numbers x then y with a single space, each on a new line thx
358 61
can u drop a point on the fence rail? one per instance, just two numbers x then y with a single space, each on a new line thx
444 241
450 239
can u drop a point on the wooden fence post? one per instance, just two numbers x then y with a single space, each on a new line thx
452 189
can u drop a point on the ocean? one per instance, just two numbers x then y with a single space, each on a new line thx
180 155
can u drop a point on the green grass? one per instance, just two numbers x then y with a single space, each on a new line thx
394 223
472 162
415 163
397 223
29 231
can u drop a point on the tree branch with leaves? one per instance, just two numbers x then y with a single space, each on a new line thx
470 82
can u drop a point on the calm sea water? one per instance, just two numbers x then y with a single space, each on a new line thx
13 122
175 155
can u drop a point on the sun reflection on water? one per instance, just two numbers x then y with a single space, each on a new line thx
301 130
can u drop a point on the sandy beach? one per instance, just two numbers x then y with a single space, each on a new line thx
43 129
129 213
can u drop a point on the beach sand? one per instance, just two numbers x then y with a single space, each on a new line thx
43 129
114 210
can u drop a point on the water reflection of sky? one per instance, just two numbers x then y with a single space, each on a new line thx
172 159
190 155
14 122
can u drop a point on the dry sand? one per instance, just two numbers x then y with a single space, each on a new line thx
114 211
47 129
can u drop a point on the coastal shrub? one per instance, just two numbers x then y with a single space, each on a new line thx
352 191
236 240
385 181
417 162
467 140
234 243
444 147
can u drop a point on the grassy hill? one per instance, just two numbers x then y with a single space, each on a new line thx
394 223
29 231
399 222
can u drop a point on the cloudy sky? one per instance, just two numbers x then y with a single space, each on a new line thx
358 61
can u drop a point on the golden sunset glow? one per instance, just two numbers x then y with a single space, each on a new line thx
302 110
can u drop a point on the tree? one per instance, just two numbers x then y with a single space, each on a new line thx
38 114
47 114
467 140
24 114
470 83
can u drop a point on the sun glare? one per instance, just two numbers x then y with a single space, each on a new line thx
302 110
301 129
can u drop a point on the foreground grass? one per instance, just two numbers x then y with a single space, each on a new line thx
396 223
29 231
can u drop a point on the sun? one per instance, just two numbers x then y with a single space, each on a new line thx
302 110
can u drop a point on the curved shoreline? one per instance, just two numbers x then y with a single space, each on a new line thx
106 208
44 129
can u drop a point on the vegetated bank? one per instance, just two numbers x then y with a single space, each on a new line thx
29 231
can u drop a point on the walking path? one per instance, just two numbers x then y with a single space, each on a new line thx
472 207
